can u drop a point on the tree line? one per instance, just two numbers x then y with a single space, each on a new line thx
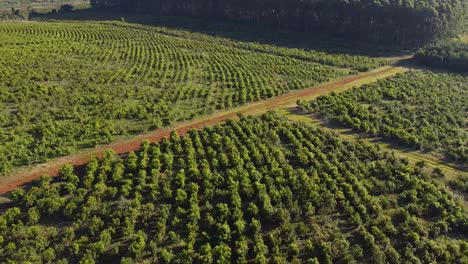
452 55
405 23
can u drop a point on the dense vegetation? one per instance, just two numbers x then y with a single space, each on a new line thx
310 41
407 23
460 184
25 10
66 86
14 14
465 20
36 3
257 190
418 109
452 55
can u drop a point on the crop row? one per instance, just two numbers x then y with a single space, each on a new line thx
419 109
66 86
258 189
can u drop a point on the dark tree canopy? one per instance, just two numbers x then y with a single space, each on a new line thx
402 22
452 55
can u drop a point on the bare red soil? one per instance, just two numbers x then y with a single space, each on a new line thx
52 168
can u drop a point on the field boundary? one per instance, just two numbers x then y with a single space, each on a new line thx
22 176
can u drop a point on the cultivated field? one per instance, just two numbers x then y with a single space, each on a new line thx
129 137
419 109
26 175
68 86
260 189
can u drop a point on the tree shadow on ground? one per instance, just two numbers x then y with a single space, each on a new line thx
413 64
319 41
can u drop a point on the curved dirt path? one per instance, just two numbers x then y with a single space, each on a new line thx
25 175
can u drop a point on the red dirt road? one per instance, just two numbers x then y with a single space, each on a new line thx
26 175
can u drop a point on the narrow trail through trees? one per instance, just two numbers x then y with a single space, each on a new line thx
23 176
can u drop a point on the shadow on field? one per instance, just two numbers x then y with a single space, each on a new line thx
413 64
301 40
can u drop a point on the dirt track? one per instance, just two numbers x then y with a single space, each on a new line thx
26 175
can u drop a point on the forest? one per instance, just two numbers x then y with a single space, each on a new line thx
255 190
418 109
451 55
117 79
404 23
